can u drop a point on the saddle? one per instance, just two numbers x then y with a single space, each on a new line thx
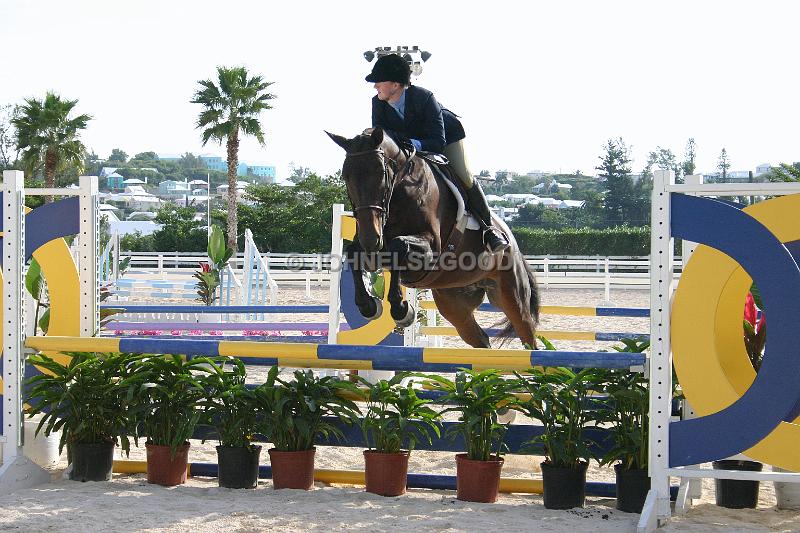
440 166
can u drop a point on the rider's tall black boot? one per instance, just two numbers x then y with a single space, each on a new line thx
493 238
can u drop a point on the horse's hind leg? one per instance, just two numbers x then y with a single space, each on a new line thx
512 296
457 305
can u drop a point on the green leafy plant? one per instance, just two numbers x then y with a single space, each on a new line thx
86 398
228 405
167 395
558 399
37 288
478 396
208 277
396 418
627 413
292 413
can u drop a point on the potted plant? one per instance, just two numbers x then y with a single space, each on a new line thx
292 416
166 396
558 400
86 400
396 419
741 493
229 407
477 397
627 412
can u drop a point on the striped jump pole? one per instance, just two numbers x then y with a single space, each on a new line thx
397 358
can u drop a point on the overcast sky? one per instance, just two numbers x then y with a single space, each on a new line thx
539 85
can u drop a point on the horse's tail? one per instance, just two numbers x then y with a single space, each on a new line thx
525 277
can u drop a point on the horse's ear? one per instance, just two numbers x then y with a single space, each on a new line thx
377 136
338 139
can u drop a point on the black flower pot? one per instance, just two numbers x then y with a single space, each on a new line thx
564 487
737 493
632 488
92 462
238 466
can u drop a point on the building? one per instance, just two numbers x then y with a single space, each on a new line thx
173 188
265 172
214 162
763 168
115 181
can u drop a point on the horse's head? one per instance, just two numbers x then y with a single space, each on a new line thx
369 172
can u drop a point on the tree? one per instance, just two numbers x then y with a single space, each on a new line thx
180 231
724 164
117 157
231 108
6 138
619 201
302 211
189 161
784 172
690 154
298 173
48 138
143 158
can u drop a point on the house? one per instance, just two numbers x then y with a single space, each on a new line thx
520 198
171 188
763 168
266 172
114 181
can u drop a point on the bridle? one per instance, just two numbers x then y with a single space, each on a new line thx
389 180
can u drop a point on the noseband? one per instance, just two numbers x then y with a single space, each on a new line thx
388 180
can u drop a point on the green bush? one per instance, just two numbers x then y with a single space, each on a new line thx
622 240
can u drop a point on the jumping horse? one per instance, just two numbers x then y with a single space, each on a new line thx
409 220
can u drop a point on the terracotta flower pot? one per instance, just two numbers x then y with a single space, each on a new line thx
292 470
163 469
478 481
386 473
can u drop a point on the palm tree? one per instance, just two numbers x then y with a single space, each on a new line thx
232 107
47 138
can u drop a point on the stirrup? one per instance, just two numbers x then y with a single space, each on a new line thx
495 240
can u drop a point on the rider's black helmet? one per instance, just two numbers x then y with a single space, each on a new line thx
390 67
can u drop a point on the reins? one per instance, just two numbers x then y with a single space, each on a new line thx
389 182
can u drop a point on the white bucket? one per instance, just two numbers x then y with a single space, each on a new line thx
787 495
41 450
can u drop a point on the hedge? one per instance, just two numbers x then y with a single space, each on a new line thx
621 241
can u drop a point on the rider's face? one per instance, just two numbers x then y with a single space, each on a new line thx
389 91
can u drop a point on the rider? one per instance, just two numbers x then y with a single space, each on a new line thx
409 112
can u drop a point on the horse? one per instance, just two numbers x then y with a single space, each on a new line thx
408 219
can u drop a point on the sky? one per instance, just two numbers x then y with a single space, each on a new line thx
539 85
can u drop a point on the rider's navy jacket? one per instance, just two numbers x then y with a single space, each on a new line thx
425 120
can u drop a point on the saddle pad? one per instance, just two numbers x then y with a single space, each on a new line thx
458 193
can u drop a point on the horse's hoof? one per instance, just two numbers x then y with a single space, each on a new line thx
378 310
408 320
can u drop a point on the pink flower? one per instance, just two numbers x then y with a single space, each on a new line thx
751 313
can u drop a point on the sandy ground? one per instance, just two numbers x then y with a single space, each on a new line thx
128 503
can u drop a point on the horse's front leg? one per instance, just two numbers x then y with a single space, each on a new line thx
369 306
401 250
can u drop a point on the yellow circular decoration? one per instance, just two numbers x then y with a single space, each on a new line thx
707 337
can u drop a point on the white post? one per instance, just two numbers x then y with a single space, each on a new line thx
89 265
546 272
17 471
660 361
337 262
